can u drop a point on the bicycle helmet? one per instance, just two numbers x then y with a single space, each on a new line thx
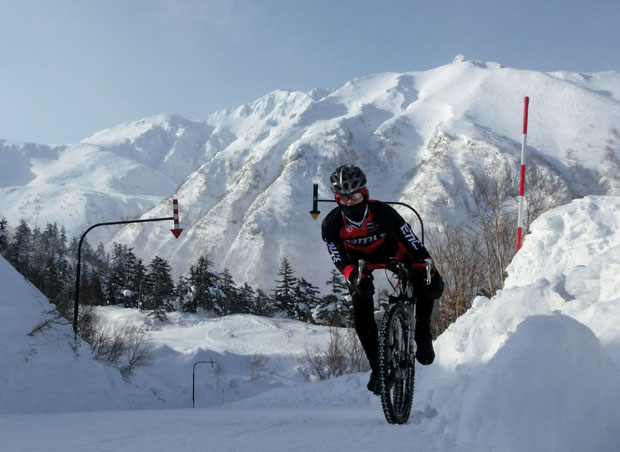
347 179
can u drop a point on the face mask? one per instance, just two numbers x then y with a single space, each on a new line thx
355 213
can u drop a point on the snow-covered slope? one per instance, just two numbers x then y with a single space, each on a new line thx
538 363
243 176
43 369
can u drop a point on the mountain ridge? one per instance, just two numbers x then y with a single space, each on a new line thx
243 175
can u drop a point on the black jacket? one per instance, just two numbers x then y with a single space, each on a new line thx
382 233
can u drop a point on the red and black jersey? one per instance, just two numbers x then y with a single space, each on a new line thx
381 234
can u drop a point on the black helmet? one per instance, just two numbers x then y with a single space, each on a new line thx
347 179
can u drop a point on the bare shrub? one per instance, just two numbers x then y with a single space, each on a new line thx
544 190
123 346
494 225
472 257
344 354
353 349
314 365
218 370
256 365
53 319
455 252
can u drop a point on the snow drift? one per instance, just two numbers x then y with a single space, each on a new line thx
43 368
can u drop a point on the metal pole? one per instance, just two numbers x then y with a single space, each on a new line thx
315 212
417 215
194 378
522 176
79 262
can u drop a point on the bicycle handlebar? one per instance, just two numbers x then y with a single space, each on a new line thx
364 266
415 266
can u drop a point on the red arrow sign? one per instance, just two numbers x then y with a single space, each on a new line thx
175 209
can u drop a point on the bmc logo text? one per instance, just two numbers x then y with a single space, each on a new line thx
365 240
333 251
410 236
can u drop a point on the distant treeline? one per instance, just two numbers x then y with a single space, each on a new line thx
48 258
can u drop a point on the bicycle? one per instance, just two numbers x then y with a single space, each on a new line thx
396 340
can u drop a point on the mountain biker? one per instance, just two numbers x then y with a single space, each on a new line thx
362 228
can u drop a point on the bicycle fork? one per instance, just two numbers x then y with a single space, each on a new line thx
411 325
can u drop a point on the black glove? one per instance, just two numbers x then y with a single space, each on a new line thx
434 290
437 285
365 288
398 268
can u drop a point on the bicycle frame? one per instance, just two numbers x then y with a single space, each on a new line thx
397 346
404 293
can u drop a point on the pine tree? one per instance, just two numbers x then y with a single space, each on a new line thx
124 276
284 293
136 275
335 308
336 283
246 297
62 241
306 300
4 242
230 293
52 278
263 304
92 288
39 256
51 273
201 288
51 243
159 290
95 271
116 276
20 249
99 256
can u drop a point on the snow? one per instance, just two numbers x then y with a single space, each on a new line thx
566 382
535 368
47 370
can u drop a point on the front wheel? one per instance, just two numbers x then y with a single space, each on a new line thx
396 364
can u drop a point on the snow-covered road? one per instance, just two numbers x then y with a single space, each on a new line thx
220 429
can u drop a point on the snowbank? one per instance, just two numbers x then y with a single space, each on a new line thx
42 368
550 387
537 366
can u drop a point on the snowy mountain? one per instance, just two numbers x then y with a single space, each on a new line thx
243 176
535 368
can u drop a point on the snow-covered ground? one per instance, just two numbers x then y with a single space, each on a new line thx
536 368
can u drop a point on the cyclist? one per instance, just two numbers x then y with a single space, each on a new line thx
362 228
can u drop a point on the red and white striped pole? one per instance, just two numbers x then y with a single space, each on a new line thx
175 213
522 177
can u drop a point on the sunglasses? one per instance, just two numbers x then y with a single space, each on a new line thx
353 197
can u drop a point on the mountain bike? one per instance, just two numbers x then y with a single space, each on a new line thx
396 339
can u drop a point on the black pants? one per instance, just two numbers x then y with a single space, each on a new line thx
366 327
364 317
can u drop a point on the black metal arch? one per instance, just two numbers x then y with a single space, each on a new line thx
315 212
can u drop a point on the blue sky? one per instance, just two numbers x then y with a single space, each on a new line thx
69 68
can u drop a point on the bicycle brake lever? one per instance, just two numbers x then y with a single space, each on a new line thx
360 269
429 267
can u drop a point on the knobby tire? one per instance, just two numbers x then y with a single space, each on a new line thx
396 367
